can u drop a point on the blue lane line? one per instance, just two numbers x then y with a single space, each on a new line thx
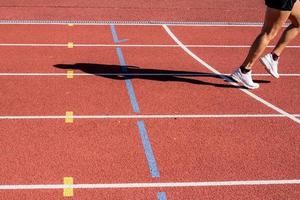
115 35
129 86
161 196
148 150
141 125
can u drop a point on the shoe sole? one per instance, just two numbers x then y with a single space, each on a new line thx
237 79
267 67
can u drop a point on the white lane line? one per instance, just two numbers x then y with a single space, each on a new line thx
20 117
151 185
286 75
277 109
132 74
129 23
42 74
134 45
234 46
134 23
34 45
110 74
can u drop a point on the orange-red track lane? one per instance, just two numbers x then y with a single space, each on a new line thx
55 95
91 151
84 194
54 34
169 10
226 193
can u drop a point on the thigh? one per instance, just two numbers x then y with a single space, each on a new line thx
274 20
295 14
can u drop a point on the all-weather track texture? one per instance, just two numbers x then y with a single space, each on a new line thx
132 100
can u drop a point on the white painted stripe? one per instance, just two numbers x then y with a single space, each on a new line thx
142 23
135 45
233 46
151 185
195 116
126 23
34 45
279 110
286 75
131 74
108 74
42 74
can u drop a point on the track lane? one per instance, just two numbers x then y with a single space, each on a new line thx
225 149
43 152
55 96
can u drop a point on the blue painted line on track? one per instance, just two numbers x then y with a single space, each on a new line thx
162 196
148 150
141 125
129 85
115 35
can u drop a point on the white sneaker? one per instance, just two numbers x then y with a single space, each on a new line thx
270 65
245 79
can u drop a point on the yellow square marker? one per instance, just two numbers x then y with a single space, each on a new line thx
69 117
70 74
70 45
68 192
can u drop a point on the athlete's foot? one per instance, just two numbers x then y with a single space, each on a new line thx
270 64
244 78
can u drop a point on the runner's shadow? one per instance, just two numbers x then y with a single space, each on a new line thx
118 72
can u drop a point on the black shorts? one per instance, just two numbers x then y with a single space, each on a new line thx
281 4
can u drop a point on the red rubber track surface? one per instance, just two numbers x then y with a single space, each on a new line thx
55 150
188 10
227 193
55 34
94 151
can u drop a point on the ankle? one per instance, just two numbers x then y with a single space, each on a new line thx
244 70
275 56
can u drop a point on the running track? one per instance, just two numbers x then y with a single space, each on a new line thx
152 116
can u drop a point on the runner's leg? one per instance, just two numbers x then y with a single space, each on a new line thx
274 19
291 31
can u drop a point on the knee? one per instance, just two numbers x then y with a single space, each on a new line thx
269 35
297 26
295 22
270 30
